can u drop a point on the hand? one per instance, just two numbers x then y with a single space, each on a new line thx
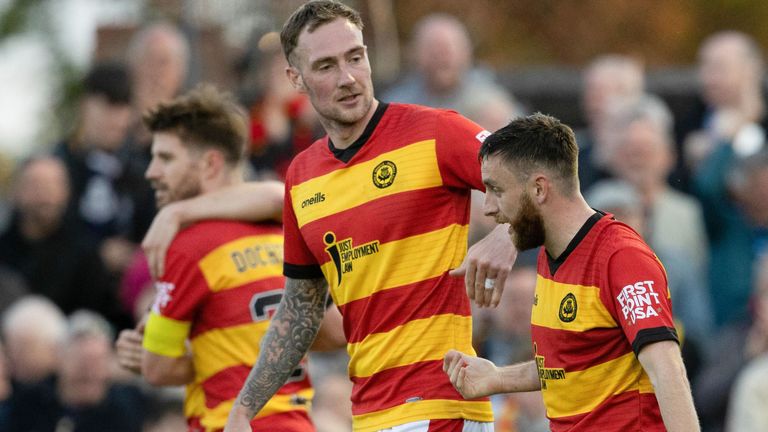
129 350
159 237
238 421
487 265
473 377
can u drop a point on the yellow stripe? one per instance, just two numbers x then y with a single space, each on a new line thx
581 392
165 336
418 258
423 410
244 260
194 401
218 349
415 341
216 418
350 187
591 312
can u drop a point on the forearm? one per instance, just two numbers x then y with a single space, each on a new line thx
520 377
251 201
291 333
167 371
664 365
675 402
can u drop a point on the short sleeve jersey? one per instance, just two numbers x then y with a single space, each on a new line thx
596 306
383 222
222 284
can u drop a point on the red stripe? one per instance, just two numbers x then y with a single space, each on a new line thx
446 425
385 310
225 385
231 307
630 411
577 351
392 387
440 207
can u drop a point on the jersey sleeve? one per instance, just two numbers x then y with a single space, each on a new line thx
180 293
458 143
298 263
640 297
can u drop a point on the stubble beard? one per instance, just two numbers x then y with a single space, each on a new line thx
527 228
188 187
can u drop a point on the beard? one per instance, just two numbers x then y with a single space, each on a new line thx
188 187
527 227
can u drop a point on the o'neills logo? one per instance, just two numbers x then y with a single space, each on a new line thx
343 253
318 198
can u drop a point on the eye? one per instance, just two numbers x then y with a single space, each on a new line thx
356 59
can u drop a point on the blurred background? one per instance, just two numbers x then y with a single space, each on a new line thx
667 100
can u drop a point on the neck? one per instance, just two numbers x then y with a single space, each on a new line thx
562 221
225 179
344 134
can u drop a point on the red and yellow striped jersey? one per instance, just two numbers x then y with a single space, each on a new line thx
384 221
596 306
222 284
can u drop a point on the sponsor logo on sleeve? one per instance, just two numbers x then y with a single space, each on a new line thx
639 301
163 296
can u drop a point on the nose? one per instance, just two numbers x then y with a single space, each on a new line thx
346 78
490 208
152 171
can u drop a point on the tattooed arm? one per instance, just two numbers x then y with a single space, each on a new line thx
291 332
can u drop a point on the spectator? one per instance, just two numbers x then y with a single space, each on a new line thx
106 188
734 192
735 367
158 58
733 105
32 330
82 397
746 408
609 81
54 254
444 76
644 156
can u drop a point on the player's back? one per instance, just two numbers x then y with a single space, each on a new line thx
224 279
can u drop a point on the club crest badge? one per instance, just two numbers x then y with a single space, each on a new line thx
384 174
568 308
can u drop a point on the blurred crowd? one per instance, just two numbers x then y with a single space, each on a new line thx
694 185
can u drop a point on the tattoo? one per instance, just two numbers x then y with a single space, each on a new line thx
291 332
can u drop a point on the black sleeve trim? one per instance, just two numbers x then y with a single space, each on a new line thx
302 271
657 334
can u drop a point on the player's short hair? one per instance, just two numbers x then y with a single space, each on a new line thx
203 118
312 15
535 142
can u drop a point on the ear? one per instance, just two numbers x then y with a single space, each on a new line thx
541 188
211 164
294 76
